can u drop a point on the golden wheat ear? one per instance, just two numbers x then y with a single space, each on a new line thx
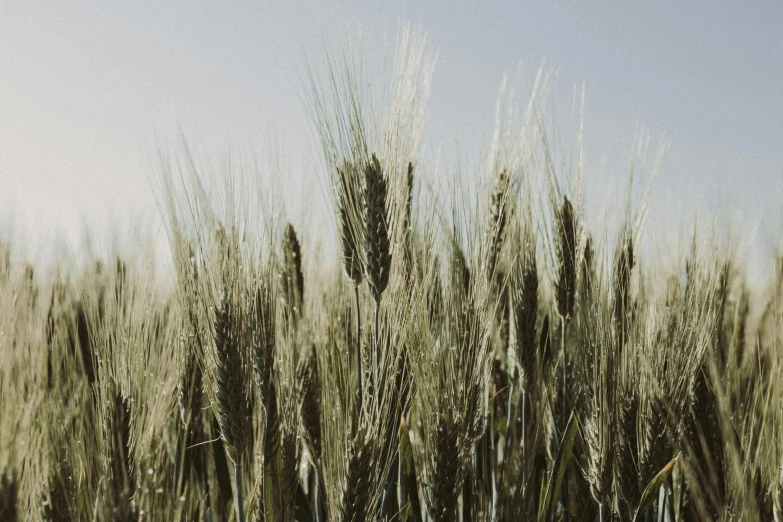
377 254
358 497
623 266
232 407
525 301
565 287
291 275
498 218
349 212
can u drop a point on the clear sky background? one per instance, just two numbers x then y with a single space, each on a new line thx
86 89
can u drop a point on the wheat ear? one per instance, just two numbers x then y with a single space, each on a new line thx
377 260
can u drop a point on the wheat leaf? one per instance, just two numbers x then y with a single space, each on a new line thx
406 457
651 490
561 463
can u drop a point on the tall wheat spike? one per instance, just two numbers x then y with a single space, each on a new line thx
498 218
377 255
565 292
232 405
292 278
565 236
349 210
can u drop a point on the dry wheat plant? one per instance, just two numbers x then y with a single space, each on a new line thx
488 355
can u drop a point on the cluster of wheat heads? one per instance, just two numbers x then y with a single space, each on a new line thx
515 366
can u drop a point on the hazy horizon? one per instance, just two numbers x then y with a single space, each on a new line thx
88 93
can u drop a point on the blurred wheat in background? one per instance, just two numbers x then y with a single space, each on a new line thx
486 354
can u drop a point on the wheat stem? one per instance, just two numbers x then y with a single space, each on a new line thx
238 492
316 500
524 420
564 409
377 359
358 349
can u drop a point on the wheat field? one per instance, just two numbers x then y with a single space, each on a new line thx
487 356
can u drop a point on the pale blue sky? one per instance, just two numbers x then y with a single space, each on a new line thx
85 87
